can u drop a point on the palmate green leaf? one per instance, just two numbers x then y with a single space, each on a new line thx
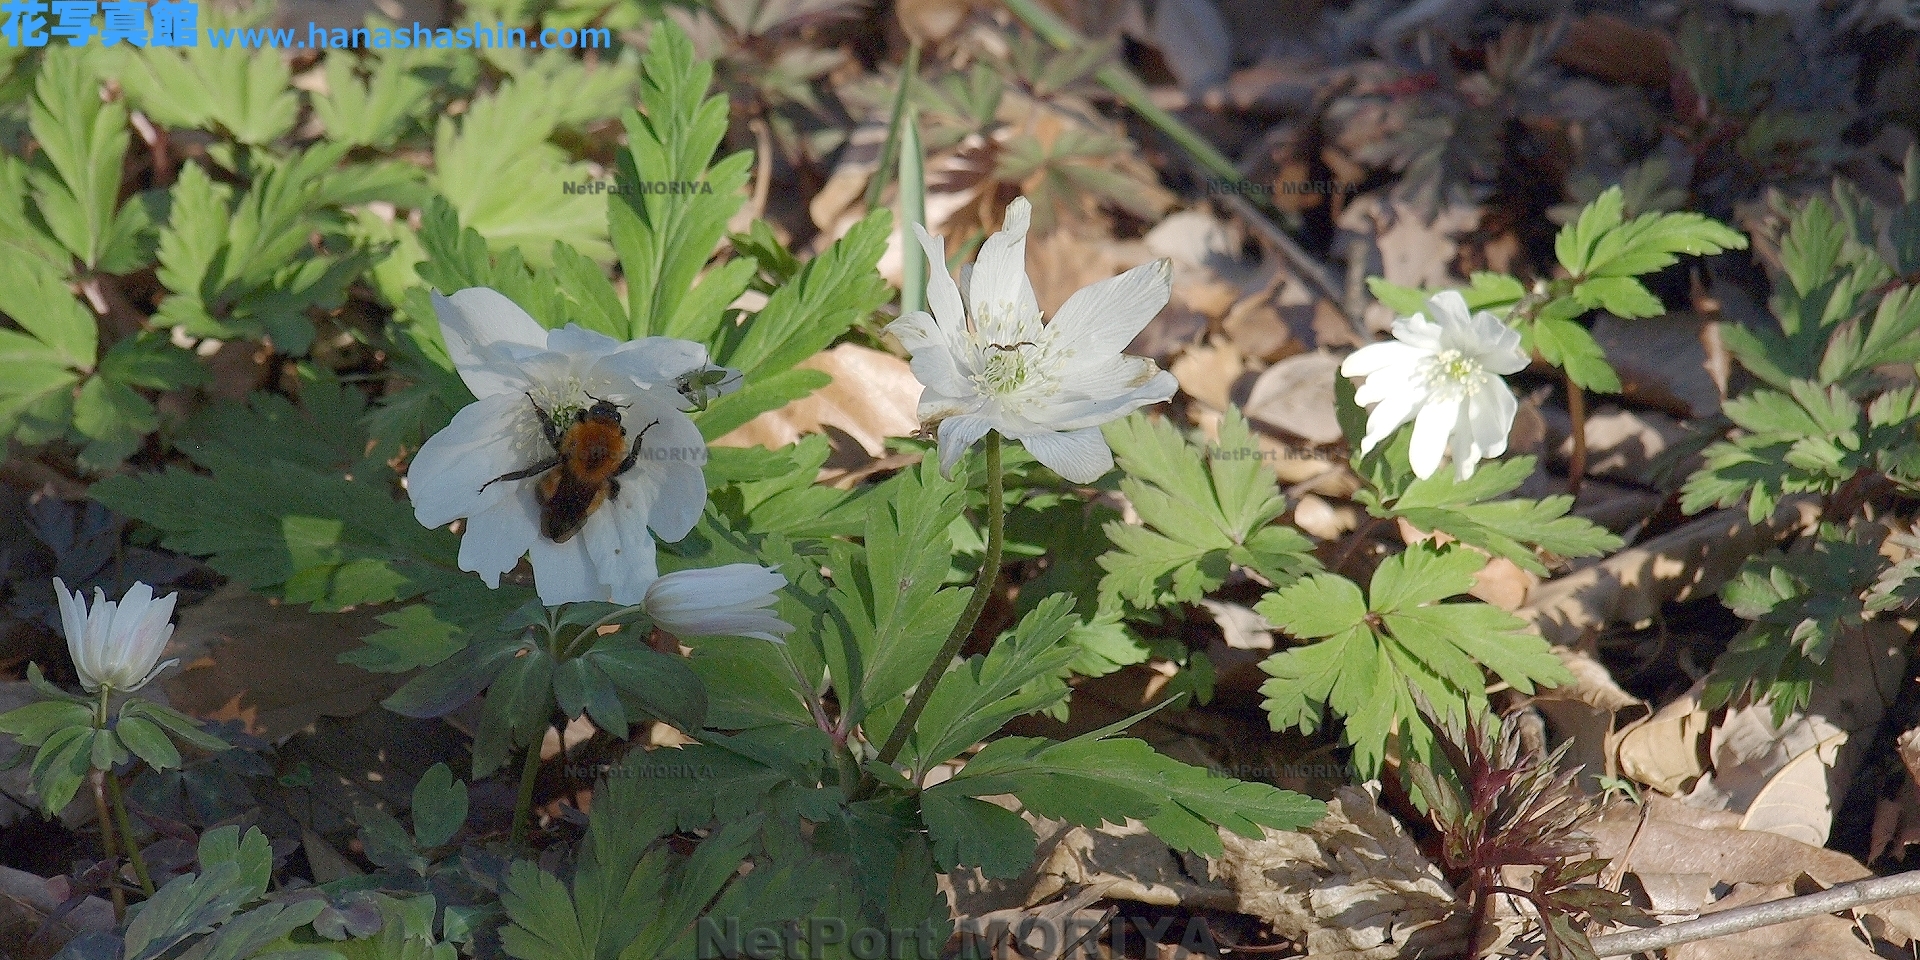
981 694
971 832
83 141
891 613
305 511
666 238
1368 657
1090 779
439 806
1485 290
822 301
1598 244
246 266
497 168
1198 519
231 89
396 94
1467 511
34 723
1891 336
20 233
1798 603
726 778
35 296
1806 440
1568 345
186 905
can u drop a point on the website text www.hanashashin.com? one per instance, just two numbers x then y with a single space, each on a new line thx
35 23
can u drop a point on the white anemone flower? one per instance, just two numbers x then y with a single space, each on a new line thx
727 601
512 364
988 363
115 645
1442 370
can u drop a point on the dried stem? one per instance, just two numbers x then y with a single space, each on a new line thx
1843 897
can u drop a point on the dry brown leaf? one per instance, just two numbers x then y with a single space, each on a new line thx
273 666
1208 372
1795 801
26 902
1616 51
1631 586
1131 863
1585 712
1296 395
1352 886
873 396
1622 443
1663 362
1664 751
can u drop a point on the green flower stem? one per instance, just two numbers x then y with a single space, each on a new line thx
881 173
107 850
983 585
591 633
523 804
97 780
126 832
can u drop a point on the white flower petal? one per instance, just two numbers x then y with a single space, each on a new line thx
1098 321
477 324
936 358
956 435
622 550
1394 409
486 439
1492 413
1000 291
1419 332
564 573
719 601
1432 427
115 644
943 295
498 536
574 338
1377 357
1095 410
1079 456
653 361
1447 309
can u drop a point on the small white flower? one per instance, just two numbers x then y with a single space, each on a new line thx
1442 370
988 363
114 645
511 363
727 601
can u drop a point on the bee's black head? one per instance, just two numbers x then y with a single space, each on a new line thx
602 411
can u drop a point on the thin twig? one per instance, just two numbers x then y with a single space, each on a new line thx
1203 154
1360 537
1833 900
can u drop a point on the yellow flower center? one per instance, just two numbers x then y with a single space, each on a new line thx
1454 370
